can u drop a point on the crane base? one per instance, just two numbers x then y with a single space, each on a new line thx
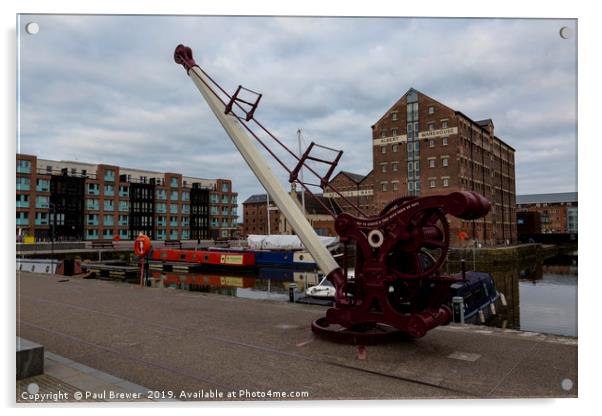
371 334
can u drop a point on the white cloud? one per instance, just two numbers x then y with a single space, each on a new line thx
106 88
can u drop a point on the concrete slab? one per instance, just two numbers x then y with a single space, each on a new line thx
190 342
30 358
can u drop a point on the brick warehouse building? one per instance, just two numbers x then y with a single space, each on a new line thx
98 201
255 215
422 147
357 188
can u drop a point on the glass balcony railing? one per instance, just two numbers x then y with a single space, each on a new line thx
43 186
92 222
22 221
22 204
22 186
23 169
41 221
43 204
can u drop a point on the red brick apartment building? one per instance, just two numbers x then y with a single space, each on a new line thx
99 201
422 147
556 213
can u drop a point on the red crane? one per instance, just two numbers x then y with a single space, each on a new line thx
397 287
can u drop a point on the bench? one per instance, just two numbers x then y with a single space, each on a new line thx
102 244
173 243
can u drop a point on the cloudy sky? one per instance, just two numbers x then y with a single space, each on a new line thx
105 89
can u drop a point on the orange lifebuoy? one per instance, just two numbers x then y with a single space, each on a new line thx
142 245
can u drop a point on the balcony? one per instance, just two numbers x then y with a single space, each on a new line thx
173 209
22 204
22 221
124 207
109 191
42 203
92 235
93 190
173 223
41 221
43 186
92 205
162 209
92 222
124 193
108 206
109 177
108 221
22 186
161 223
23 169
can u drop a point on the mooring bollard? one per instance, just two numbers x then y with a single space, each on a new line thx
458 307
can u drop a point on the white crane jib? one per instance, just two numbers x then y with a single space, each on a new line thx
257 163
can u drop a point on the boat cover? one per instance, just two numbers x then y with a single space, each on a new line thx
282 242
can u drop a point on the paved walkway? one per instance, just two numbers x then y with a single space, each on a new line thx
65 380
192 345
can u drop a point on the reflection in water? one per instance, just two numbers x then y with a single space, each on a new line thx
541 297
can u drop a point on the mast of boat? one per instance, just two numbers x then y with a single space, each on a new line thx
301 172
267 194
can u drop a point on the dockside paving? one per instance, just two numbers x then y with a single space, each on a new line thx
192 345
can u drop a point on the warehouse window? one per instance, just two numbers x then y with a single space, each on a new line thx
394 148
445 141
383 186
432 143
431 163
432 183
431 109
383 149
